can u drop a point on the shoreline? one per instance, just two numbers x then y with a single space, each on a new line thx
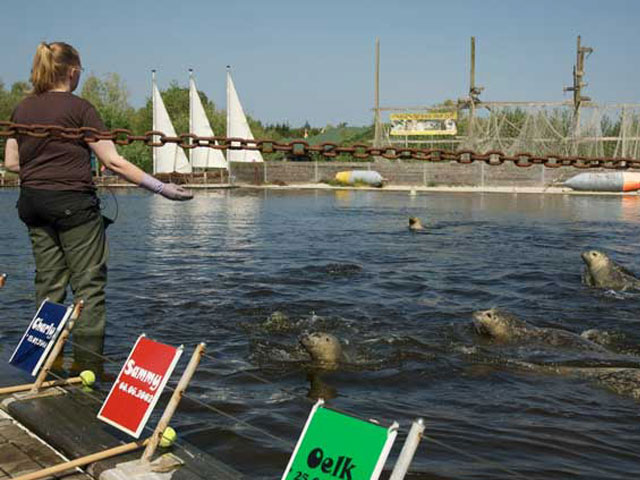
387 188
444 189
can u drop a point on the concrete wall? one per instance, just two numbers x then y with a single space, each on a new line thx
404 172
398 172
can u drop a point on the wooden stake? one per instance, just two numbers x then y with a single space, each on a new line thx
3 279
49 384
472 69
57 348
82 461
173 402
472 90
377 132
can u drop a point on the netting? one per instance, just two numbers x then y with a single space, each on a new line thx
541 129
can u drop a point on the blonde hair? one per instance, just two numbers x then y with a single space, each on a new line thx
51 63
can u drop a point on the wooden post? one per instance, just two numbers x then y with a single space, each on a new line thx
57 348
82 461
472 68
472 91
578 98
377 126
173 402
578 72
623 132
3 279
52 383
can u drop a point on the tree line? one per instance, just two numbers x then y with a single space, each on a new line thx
110 96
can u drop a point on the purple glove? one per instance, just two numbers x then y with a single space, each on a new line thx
167 190
176 192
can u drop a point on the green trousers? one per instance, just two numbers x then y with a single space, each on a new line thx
76 257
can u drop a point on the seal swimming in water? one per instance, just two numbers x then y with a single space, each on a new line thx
506 327
602 272
415 224
325 349
326 352
620 380
623 381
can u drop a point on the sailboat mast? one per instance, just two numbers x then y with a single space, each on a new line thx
153 117
191 82
229 156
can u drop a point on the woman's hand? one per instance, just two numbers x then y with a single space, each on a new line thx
175 192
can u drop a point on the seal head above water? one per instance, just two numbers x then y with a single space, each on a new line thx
324 348
505 327
415 224
499 324
602 272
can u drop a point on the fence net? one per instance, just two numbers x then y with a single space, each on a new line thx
594 131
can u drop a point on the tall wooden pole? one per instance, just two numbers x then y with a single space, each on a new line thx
228 151
472 89
377 125
578 72
191 81
578 98
623 132
154 122
472 70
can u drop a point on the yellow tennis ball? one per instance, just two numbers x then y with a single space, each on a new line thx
88 378
168 437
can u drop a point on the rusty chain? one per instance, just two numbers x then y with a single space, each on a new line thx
121 136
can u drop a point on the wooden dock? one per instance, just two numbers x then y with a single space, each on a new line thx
21 452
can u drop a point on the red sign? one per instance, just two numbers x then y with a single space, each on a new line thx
139 384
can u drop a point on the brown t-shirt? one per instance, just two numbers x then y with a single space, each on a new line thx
55 163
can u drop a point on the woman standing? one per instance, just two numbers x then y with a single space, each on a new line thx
57 199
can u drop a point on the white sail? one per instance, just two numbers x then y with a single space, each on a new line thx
170 157
238 127
201 157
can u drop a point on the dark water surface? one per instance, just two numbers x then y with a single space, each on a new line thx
217 268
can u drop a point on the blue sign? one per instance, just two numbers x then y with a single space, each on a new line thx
40 337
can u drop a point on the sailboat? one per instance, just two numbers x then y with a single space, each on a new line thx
238 127
201 157
170 157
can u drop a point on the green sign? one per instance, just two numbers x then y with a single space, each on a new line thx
335 446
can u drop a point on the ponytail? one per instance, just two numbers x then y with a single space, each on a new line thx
51 63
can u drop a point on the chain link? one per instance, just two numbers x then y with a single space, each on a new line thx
121 136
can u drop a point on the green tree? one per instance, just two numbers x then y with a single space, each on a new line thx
110 97
9 99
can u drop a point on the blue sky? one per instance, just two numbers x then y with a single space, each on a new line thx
296 61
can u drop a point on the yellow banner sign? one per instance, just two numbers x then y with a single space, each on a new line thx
424 116
431 123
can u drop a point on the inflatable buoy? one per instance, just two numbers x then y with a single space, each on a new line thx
605 181
370 177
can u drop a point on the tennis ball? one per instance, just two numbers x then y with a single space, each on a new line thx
88 378
169 436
